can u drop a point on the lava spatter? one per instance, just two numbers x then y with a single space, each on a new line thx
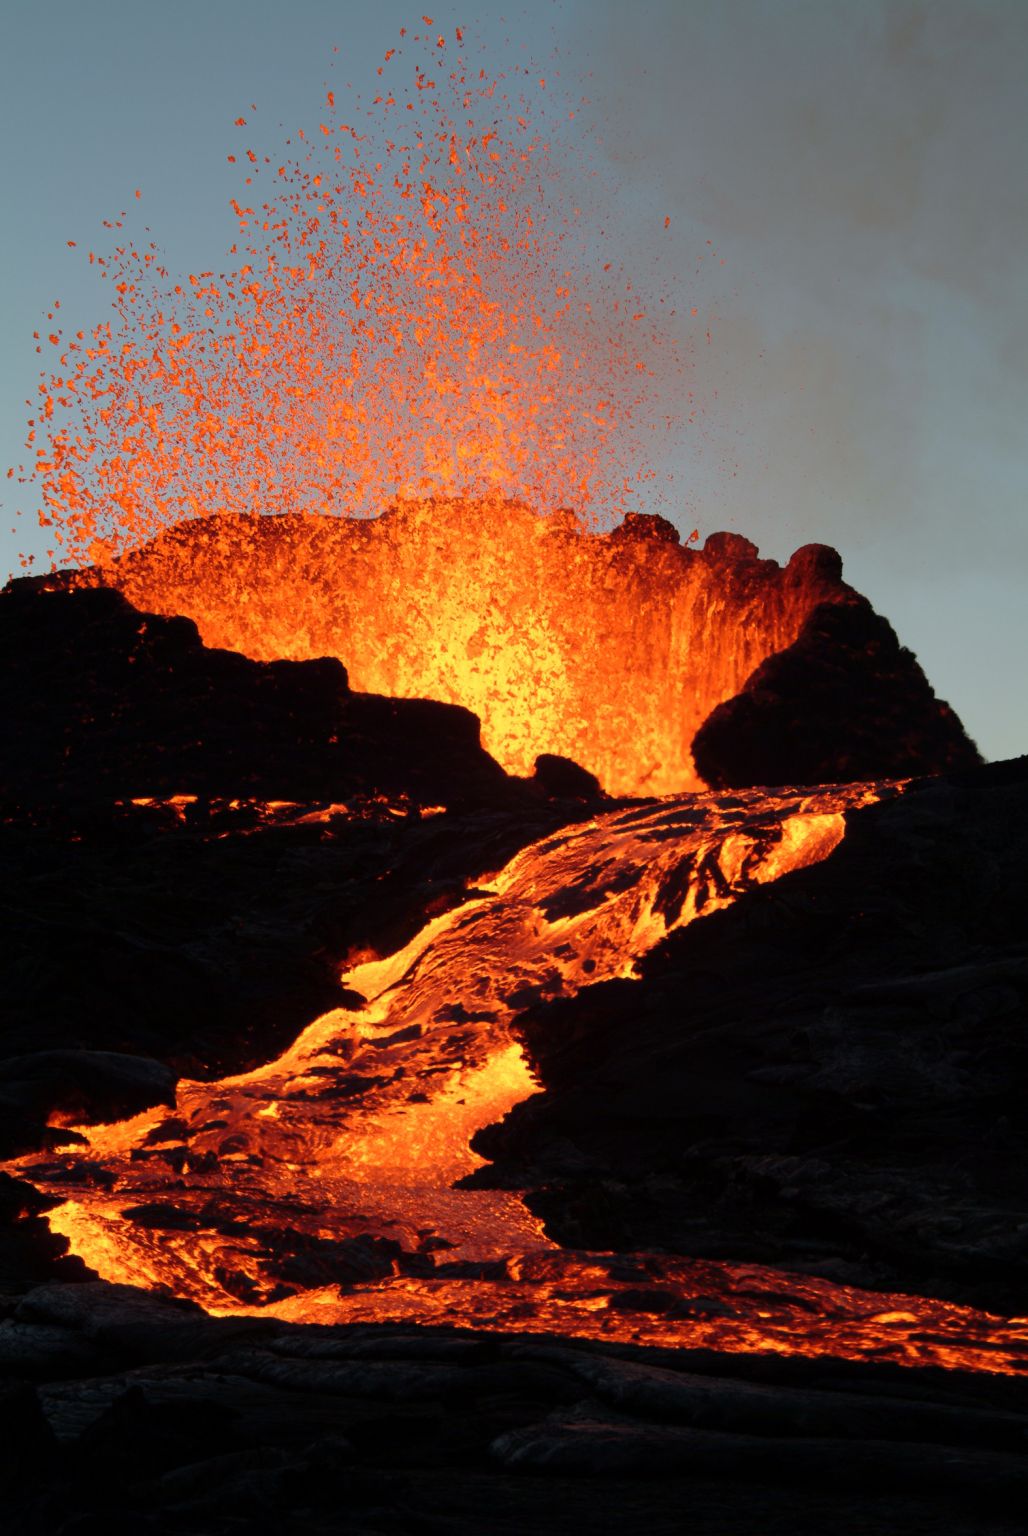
414 303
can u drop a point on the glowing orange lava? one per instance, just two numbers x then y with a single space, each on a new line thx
413 304
342 1155
610 649
415 319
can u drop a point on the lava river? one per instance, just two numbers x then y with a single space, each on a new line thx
322 1186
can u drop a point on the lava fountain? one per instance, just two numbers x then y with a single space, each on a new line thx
414 305
418 319
609 649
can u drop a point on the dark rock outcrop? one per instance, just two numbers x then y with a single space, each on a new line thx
829 1074
101 1085
563 779
844 702
102 703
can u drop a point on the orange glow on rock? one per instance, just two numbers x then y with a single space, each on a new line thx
610 649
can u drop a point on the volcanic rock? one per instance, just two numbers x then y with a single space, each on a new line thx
844 702
44 1354
565 780
131 1324
828 1074
27 1445
108 1085
733 546
104 703
588 1445
372 1429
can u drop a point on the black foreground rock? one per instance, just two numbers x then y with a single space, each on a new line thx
844 702
829 1074
132 1412
101 703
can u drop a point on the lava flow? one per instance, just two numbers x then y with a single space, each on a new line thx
323 1185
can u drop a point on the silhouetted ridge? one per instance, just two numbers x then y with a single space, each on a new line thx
844 702
101 702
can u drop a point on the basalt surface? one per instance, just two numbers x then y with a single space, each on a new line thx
129 1412
844 701
103 703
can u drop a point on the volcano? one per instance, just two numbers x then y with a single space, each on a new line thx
503 1016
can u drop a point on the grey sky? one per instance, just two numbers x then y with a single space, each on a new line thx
860 167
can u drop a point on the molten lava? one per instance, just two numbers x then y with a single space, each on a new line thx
417 314
322 1185
609 649
414 303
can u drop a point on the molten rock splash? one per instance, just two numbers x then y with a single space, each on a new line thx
414 304
609 649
